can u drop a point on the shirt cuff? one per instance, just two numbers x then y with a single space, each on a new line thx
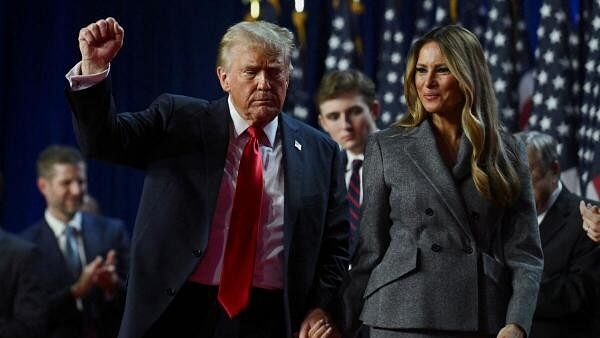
81 82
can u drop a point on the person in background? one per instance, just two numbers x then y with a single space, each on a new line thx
571 260
84 257
590 214
449 243
23 302
90 205
242 229
347 112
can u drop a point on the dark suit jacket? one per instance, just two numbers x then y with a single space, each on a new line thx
102 315
571 269
23 301
433 253
182 142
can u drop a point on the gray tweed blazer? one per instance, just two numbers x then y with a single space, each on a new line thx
433 252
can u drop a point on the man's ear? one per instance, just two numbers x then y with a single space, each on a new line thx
42 185
555 168
320 121
375 110
223 78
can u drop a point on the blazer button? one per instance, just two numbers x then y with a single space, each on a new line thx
197 253
468 250
475 216
429 212
170 292
436 247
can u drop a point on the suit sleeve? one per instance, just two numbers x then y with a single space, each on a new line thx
30 306
572 290
126 138
522 249
111 308
333 257
374 236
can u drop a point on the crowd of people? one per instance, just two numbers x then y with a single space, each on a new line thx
253 224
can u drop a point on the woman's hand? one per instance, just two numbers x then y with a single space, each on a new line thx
511 331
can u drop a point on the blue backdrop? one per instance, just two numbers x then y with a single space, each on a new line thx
169 47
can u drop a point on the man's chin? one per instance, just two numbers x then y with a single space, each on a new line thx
264 116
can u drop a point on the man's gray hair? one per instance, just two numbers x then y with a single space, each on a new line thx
274 40
545 145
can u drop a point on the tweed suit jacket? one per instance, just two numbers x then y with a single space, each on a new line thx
433 252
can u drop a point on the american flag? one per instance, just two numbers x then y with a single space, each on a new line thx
473 16
298 99
430 14
505 51
392 60
556 97
589 129
344 42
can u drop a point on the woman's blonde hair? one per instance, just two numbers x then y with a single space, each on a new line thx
492 169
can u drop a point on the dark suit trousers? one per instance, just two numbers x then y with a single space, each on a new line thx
196 313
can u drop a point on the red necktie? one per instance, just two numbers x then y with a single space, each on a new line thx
240 251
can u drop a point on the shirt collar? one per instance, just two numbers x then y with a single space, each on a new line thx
240 125
351 157
58 227
553 197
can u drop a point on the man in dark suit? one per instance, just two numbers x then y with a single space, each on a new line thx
347 112
242 227
84 257
22 299
571 260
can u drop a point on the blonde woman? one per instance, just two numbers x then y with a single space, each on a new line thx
449 243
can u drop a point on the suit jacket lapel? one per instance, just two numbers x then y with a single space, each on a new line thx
92 239
49 247
293 158
423 154
555 219
206 177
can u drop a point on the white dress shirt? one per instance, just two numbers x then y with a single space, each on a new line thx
268 270
551 201
351 157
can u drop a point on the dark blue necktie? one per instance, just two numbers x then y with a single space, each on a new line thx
72 251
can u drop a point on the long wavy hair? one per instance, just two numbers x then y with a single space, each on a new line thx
492 169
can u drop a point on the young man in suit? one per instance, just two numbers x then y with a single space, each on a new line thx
571 260
22 300
84 257
347 112
239 233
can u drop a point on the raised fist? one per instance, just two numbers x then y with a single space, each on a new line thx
99 43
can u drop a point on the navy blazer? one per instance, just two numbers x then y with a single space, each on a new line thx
100 234
22 299
571 273
181 142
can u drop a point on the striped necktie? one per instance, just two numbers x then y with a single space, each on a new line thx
354 201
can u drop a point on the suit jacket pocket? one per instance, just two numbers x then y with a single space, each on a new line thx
495 290
494 269
393 266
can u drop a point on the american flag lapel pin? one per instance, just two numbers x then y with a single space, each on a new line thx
297 145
